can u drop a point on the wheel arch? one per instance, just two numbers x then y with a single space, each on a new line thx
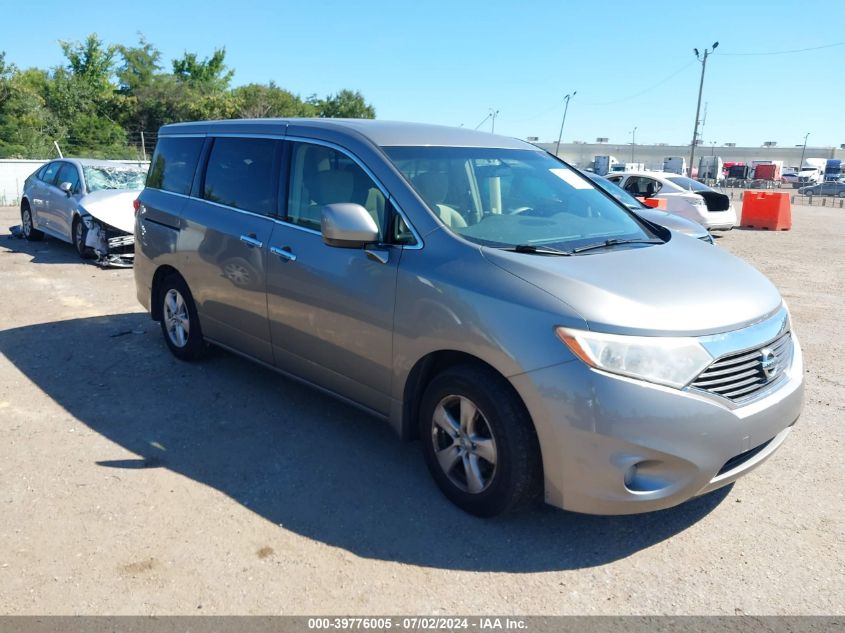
161 273
421 374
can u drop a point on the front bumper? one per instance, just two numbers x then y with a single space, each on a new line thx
614 445
114 248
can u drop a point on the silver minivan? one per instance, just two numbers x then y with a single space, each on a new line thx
539 338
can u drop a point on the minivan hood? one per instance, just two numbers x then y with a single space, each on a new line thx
682 287
114 207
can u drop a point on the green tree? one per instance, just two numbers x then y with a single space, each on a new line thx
91 62
346 104
254 101
210 73
140 66
27 126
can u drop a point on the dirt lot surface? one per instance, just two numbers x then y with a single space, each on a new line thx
131 483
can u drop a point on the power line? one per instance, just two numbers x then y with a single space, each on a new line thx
788 52
649 89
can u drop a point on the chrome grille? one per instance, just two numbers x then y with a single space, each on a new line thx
739 376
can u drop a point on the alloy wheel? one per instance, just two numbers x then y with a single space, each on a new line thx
176 318
464 445
26 220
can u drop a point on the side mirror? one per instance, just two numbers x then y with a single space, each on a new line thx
348 225
67 188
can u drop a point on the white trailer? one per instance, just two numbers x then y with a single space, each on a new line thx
675 165
603 165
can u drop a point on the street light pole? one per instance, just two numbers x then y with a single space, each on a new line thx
633 142
703 61
493 115
803 149
560 136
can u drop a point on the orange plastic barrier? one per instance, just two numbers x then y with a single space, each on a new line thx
655 203
766 210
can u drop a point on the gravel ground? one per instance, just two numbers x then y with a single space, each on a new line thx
131 483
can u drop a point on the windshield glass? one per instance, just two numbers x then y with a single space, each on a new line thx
688 183
616 191
506 197
118 177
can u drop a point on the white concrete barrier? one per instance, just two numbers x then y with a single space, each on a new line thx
12 174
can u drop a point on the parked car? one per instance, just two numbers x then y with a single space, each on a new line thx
684 196
538 337
669 220
830 188
88 203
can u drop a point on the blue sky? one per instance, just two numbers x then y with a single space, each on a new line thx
450 62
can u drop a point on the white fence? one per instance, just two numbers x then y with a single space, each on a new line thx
13 173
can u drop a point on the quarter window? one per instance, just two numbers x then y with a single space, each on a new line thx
174 164
319 176
243 173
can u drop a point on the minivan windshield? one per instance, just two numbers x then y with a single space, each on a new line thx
518 199
615 190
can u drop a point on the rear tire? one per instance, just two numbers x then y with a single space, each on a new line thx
28 224
479 443
179 321
79 232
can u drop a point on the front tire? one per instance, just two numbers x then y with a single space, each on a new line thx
478 441
179 321
79 233
28 224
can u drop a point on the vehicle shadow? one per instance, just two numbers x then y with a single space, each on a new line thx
297 458
46 251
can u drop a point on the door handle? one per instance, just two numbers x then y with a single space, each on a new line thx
284 253
251 241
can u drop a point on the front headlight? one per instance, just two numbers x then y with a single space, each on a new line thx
672 361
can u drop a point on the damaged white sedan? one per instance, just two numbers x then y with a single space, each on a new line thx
89 203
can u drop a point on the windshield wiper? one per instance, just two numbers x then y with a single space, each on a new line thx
608 243
537 250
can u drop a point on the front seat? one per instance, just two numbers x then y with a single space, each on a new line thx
433 187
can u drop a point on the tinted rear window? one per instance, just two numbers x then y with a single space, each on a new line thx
174 164
243 173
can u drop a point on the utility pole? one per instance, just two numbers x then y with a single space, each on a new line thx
493 115
803 150
633 142
560 136
703 61
143 147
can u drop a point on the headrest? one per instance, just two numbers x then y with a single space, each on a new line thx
432 185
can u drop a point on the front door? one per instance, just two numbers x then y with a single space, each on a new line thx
63 205
331 309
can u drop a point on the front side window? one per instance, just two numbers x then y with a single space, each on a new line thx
174 163
48 173
508 198
321 175
69 173
243 173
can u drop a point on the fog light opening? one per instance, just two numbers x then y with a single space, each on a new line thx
642 477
